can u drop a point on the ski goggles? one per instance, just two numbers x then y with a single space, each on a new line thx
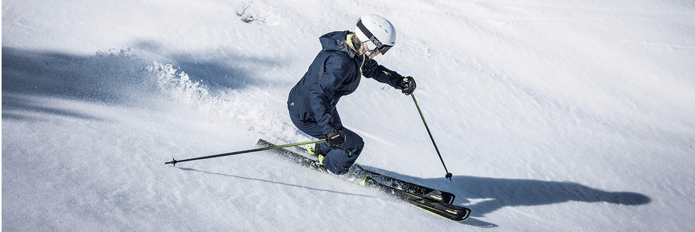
375 43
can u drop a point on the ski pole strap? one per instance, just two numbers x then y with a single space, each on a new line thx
174 161
448 174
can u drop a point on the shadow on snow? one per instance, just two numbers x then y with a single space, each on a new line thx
16 106
496 193
111 77
274 182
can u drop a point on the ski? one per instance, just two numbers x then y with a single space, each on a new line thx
409 187
426 203
434 194
434 201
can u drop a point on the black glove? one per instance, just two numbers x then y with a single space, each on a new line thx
335 138
408 85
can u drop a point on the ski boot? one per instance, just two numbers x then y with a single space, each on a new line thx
316 151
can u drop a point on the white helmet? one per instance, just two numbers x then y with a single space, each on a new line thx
376 33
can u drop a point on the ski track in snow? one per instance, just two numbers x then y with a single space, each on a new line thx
552 115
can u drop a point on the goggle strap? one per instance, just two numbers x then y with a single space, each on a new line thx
367 32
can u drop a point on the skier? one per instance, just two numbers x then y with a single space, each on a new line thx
335 72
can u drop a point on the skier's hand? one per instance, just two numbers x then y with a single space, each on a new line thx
335 138
408 85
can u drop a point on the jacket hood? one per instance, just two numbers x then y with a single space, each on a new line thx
335 41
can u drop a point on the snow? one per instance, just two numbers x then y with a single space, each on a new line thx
552 115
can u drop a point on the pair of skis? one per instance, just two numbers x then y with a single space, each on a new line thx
431 200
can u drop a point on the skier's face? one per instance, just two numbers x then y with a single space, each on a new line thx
370 53
373 54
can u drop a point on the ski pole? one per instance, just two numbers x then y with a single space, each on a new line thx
174 161
448 174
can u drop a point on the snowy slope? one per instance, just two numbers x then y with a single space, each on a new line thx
552 115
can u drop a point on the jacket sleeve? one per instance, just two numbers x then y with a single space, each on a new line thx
381 74
322 96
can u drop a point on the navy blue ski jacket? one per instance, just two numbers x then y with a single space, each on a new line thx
335 72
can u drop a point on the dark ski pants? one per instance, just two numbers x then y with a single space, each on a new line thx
338 159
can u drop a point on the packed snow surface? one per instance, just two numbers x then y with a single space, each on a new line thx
560 115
